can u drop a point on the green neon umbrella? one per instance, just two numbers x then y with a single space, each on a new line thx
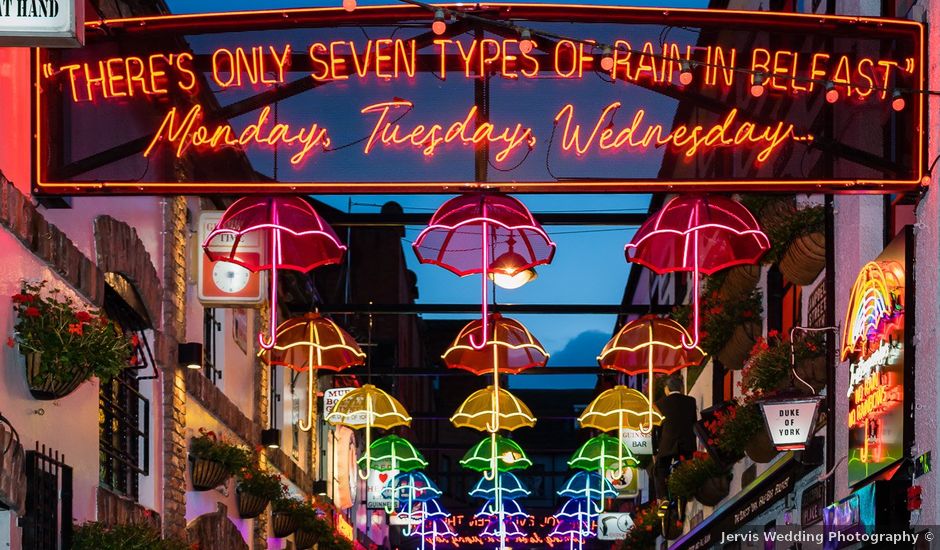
392 453
602 453
508 455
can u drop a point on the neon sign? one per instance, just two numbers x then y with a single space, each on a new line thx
401 98
873 344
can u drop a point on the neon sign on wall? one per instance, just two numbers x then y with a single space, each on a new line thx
400 96
873 344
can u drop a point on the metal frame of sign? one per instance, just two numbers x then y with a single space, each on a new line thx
142 27
817 399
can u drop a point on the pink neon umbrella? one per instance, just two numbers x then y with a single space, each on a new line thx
484 233
298 238
701 234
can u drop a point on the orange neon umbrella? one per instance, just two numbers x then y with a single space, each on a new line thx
650 345
312 342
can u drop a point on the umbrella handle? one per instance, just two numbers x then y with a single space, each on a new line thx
311 397
368 441
695 301
484 230
272 314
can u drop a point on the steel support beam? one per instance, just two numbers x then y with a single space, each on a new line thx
474 309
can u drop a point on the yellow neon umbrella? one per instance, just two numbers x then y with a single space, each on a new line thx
368 407
310 343
619 408
493 408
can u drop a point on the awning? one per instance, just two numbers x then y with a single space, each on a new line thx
736 512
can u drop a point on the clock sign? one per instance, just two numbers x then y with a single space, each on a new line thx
222 283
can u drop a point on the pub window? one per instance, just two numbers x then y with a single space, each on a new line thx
47 522
123 411
212 338
816 316
784 303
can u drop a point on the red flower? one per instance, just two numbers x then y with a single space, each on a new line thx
83 316
23 298
134 360
135 340
31 311
10 341
76 328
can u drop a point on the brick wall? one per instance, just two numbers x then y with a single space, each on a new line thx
173 322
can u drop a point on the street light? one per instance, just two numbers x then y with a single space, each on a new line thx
505 272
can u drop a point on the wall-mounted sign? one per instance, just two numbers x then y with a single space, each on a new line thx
638 442
873 343
626 481
376 496
47 23
225 283
613 526
790 422
812 503
303 102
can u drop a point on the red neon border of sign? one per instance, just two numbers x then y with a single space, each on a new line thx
377 14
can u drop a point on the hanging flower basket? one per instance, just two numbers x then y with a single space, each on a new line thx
214 460
305 539
48 382
283 523
208 474
251 506
63 344
736 350
740 280
804 258
760 448
713 490
813 372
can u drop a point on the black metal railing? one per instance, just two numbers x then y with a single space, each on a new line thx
124 434
47 523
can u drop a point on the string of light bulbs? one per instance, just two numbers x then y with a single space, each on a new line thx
527 43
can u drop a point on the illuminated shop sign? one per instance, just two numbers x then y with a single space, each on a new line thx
320 100
50 23
873 341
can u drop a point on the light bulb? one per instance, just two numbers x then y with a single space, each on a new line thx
757 88
607 62
897 101
685 74
349 5
832 94
525 42
439 26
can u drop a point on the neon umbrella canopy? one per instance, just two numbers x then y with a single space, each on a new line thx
491 408
589 485
650 345
393 453
510 348
411 486
368 407
312 342
508 508
507 485
485 233
701 234
602 453
298 239
502 528
507 453
620 408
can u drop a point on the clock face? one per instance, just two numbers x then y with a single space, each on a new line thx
230 277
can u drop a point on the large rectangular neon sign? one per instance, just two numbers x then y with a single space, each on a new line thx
618 99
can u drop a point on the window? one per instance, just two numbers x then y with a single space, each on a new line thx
47 523
123 411
816 316
212 331
784 303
